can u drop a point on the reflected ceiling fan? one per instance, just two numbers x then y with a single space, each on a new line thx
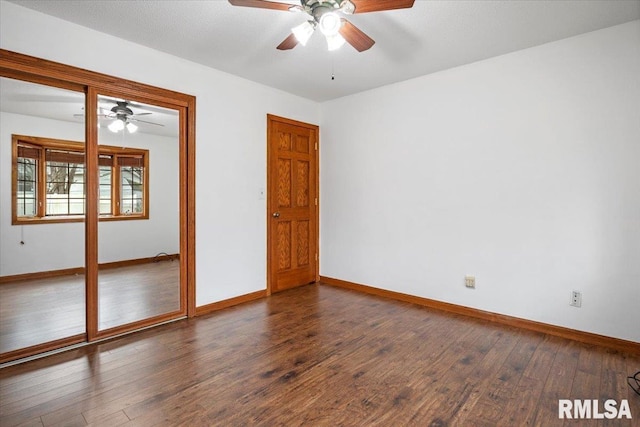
122 116
325 15
125 117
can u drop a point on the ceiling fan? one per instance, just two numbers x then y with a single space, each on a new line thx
122 116
324 15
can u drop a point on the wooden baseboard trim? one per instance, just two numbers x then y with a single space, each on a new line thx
138 261
41 348
80 270
42 275
215 306
559 331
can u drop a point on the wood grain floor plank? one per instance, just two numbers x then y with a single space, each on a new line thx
586 382
483 375
613 383
558 384
112 420
531 384
36 422
73 421
456 389
501 394
633 366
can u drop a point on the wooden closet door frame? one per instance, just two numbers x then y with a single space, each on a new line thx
36 70
140 95
271 119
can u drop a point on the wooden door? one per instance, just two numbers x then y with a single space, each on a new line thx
292 205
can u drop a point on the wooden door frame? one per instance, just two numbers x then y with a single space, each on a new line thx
271 119
36 70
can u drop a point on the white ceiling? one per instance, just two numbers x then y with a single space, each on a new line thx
432 36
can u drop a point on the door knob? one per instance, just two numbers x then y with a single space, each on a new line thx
276 214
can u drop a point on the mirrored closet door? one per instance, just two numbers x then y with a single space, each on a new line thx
97 206
139 211
42 230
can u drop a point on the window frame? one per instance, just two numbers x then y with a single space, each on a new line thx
21 194
44 144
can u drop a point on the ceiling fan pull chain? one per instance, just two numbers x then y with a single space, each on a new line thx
333 75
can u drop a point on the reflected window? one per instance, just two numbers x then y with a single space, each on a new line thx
132 184
105 195
26 194
65 192
57 168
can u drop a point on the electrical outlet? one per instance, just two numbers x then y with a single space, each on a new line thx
470 281
576 299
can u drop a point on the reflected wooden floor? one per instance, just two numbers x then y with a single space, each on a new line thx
323 356
36 311
133 293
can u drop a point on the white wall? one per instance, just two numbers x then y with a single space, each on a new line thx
47 246
59 246
521 170
230 134
121 240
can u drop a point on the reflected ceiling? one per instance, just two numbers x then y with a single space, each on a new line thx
32 99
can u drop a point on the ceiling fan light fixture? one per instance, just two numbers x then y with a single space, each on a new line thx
303 32
131 127
347 7
116 126
330 23
335 42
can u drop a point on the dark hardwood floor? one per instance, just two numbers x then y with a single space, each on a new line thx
41 310
318 355
36 311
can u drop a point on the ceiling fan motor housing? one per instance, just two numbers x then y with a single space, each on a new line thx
335 4
121 109
317 8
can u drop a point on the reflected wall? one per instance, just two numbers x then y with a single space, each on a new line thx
42 234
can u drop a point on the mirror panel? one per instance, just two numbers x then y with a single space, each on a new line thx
42 199
61 175
139 203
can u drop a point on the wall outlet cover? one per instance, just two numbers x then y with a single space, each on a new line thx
470 281
576 299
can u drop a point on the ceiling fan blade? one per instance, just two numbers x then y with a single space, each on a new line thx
355 36
132 119
101 112
288 43
364 6
262 4
149 107
139 114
